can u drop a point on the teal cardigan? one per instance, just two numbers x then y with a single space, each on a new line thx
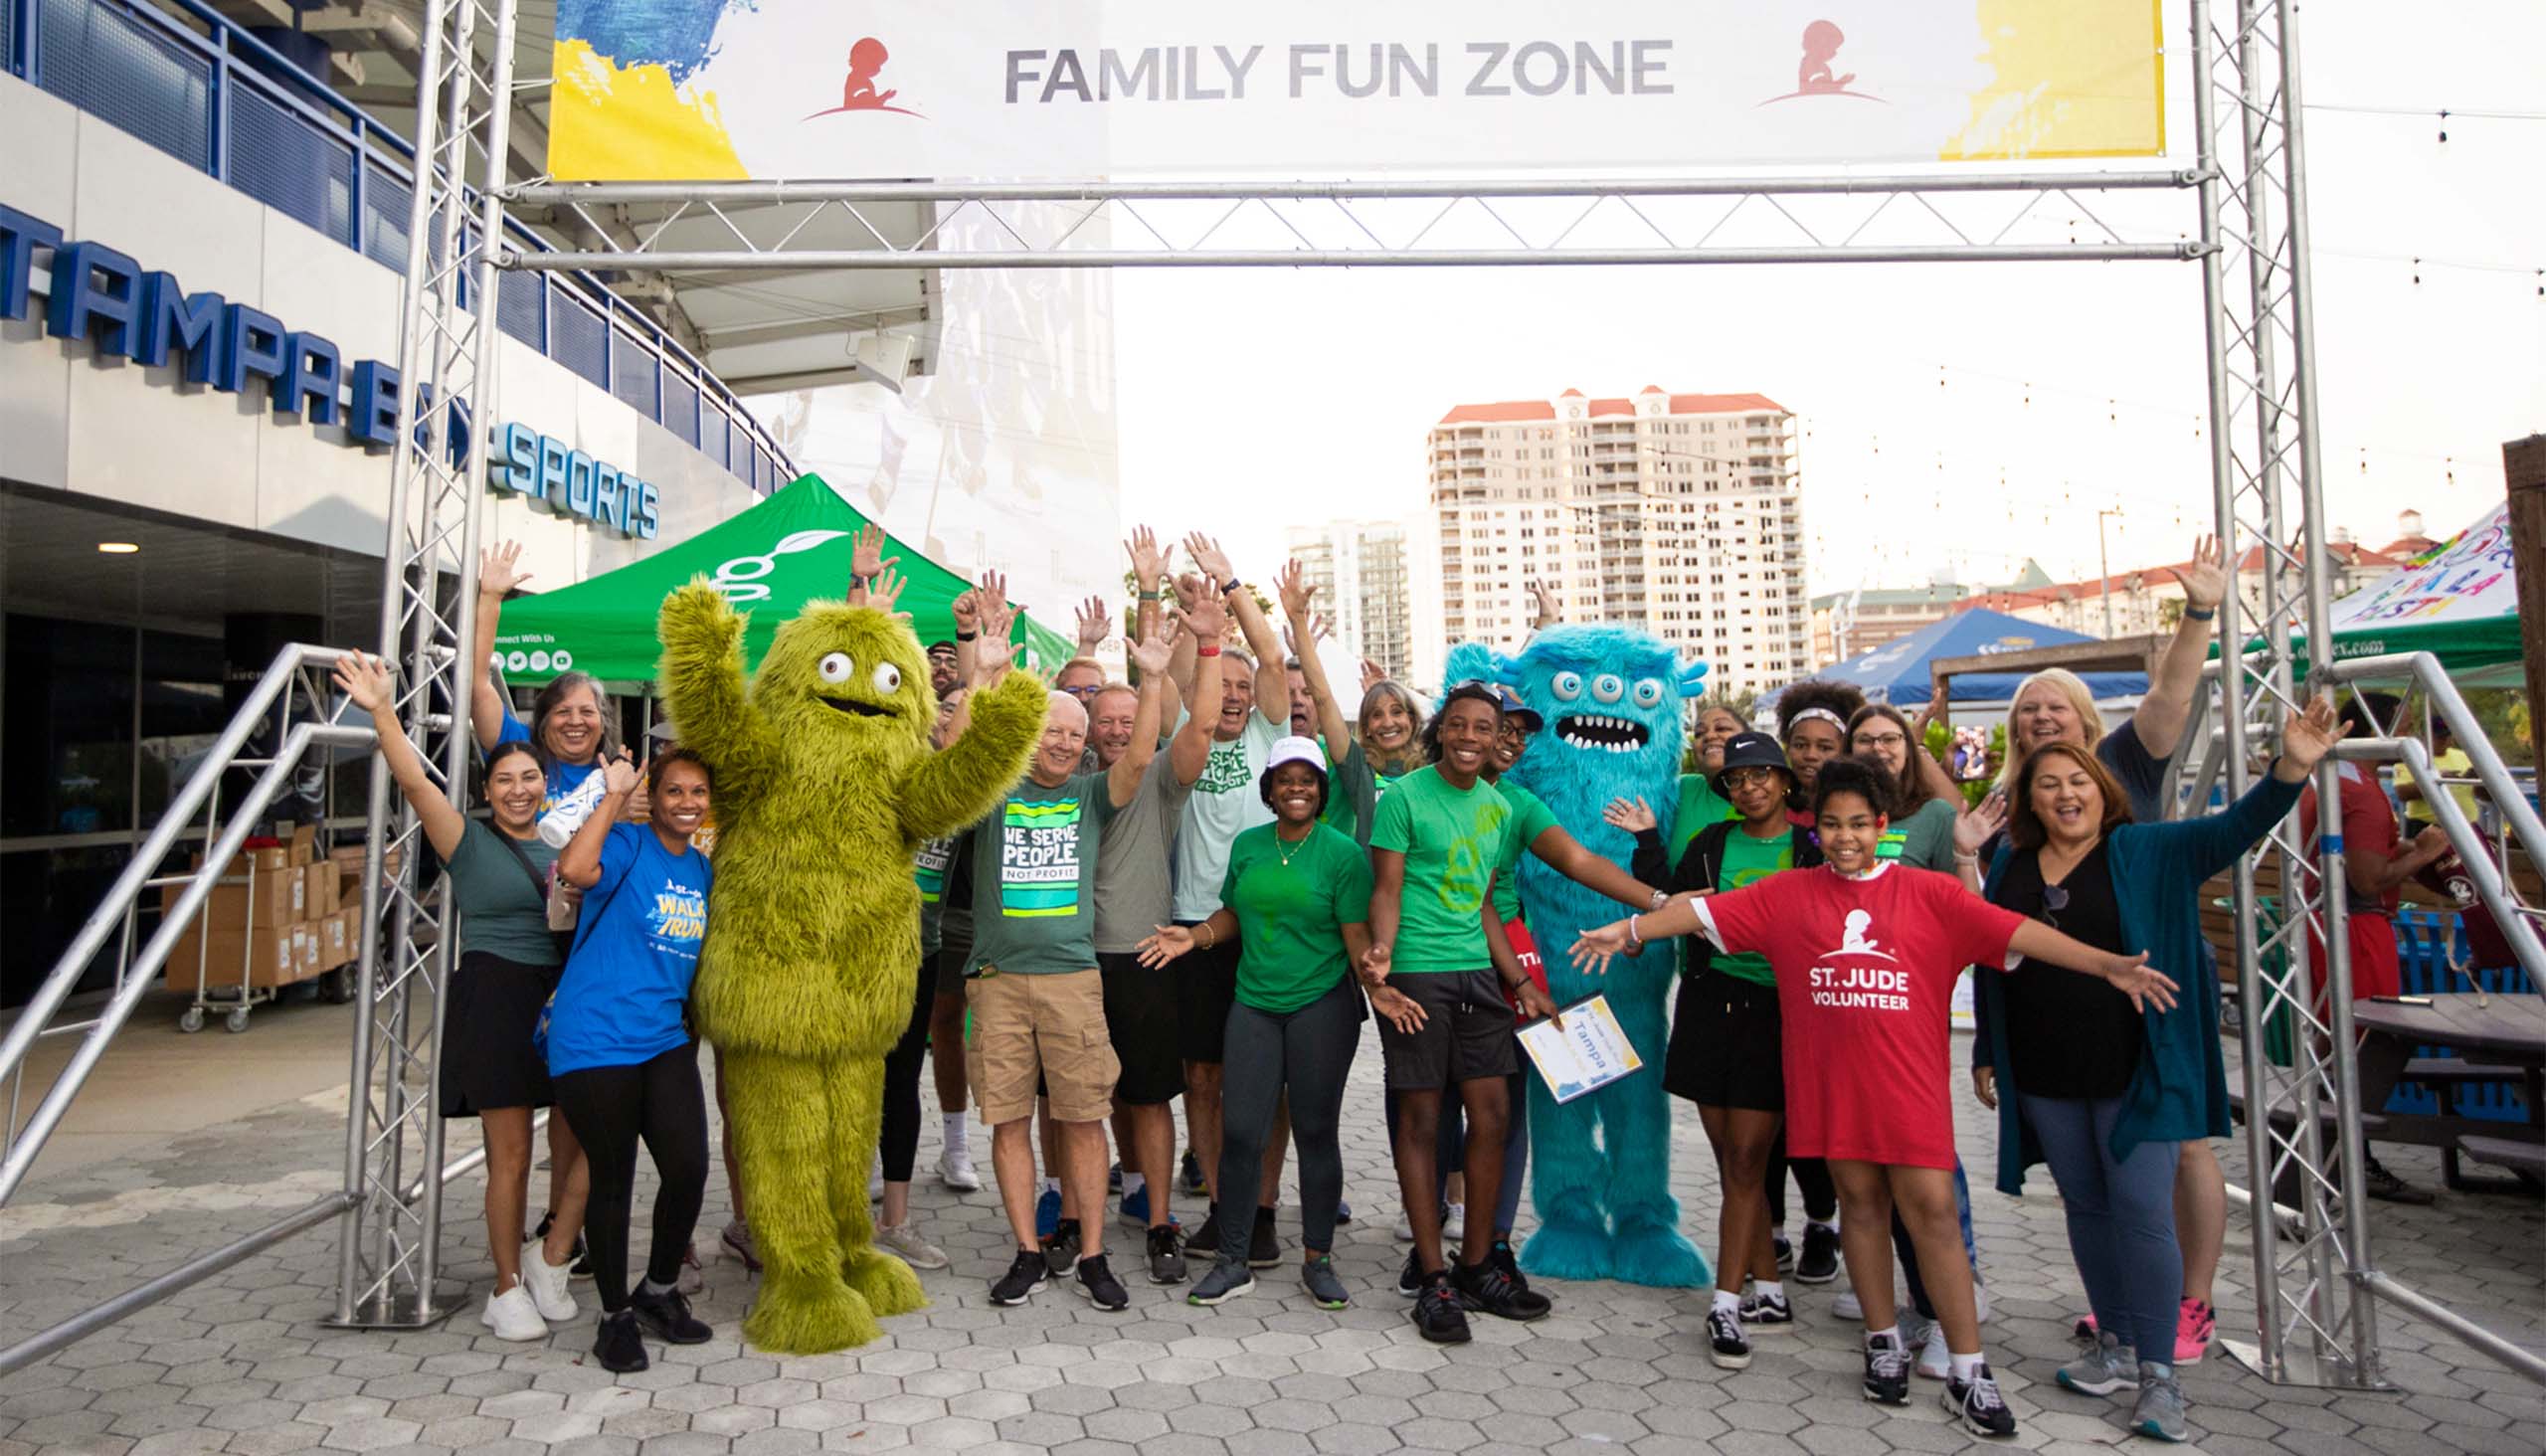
2179 1091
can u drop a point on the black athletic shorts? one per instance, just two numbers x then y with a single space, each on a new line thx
954 949
1141 1016
1206 988
1727 1045
1467 1031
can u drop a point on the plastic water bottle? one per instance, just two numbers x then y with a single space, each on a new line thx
557 826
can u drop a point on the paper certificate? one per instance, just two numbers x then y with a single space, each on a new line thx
1589 1051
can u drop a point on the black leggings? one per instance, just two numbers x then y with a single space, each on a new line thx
899 1144
1307 1053
611 1109
1812 1175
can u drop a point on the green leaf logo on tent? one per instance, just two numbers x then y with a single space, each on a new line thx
740 585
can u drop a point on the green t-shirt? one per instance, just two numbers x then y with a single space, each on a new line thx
1292 903
1924 839
1451 840
1035 879
1355 790
1747 859
1700 806
936 857
501 911
1531 817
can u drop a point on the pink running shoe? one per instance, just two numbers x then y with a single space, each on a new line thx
2195 1326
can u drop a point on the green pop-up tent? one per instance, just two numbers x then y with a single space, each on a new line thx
769 560
2458 603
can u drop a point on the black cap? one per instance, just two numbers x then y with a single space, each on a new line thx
940 646
1750 751
1513 707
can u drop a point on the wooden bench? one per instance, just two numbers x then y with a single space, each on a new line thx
2444 1075
2527 1160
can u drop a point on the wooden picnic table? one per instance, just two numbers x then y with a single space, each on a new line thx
2506 1029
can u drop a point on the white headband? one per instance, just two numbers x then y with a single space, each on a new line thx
1823 713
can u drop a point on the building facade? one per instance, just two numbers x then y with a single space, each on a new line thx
1681 513
1358 569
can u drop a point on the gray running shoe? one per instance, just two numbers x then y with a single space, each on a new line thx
2160 1411
1226 1281
2104 1367
1326 1291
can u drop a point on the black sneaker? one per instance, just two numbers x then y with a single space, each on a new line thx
1766 1309
1820 1261
1226 1281
1437 1313
1500 1256
1726 1345
1061 1247
1887 1370
667 1315
1167 1256
1342 1212
1193 1175
1410 1280
579 1264
2386 1187
1025 1277
1114 1178
1785 1251
1488 1290
1264 1247
1325 1290
1206 1239
1096 1280
1983 1411
619 1347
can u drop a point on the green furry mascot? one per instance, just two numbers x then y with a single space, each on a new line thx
824 790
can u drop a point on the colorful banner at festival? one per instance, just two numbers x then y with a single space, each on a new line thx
1057 90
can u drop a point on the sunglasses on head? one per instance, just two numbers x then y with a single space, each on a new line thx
2055 899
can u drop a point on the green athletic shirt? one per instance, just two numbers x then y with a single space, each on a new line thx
1747 859
1923 840
1531 817
1451 840
502 910
1291 913
936 857
1700 806
1034 878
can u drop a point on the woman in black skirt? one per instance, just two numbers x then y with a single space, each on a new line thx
508 964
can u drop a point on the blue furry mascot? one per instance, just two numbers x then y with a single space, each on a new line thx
1612 698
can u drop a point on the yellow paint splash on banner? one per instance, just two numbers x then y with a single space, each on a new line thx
631 124
2074 79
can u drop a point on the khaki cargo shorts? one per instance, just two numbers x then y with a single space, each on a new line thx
1046 1026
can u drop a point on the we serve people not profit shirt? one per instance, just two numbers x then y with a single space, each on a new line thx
1865 972
1035 879
1224 801
1451 840
627 982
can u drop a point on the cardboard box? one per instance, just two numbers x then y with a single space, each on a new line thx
337 939
305 845
273 898
270 950
306 942
319 890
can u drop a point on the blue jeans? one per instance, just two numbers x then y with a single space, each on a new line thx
2121 1218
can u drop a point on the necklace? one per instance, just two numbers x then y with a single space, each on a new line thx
1289 849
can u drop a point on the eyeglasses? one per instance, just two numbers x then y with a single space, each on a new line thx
1084 692
1881 740
1744 778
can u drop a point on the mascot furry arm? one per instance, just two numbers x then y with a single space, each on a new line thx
1614 701
824 789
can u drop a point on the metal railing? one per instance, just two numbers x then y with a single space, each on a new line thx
231 106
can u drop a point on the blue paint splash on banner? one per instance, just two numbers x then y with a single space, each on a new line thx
677 35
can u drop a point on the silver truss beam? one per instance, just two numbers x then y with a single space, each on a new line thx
568 194
868 258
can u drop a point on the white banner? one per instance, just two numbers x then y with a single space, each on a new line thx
1064 89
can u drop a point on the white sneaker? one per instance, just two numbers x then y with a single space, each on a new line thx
1405 1228
546 1285
1934 1360
1454 1225
916 1251
511 1316
1846 1306
955 1169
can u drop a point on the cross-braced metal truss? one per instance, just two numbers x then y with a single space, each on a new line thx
393 1133
795 226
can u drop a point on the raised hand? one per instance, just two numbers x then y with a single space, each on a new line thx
1544 595
1631 814
500 570
2204 579
1149 563
1208 555
968 611
1398 1008
1154 655
2134 978
1321 627
993 650
1208 618
1169 941
365 679
884 593
619 775
1973 826
1095 625
1188 590
1372 674
866 558
1298 592
2307 737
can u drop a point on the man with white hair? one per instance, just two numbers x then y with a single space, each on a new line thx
1037 999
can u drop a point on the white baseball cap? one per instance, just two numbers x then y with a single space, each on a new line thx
1293 749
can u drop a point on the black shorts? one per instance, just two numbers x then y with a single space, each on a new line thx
1727 1045
490 1010
1141 1017
1467 1031
1206 988
945 968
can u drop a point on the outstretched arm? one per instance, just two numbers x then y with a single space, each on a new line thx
1272 685
1199 641
498 574
2162 714
1566 855
1298 595
948 790
702 678
365 679
2133 975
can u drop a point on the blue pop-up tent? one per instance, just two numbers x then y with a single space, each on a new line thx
1896 672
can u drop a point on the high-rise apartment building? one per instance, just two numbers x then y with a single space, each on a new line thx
1681 513
1360 571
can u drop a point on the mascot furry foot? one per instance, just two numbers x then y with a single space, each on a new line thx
1653 1253
1568 1247
825 788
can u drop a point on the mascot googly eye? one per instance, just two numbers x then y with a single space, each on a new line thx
1608 687
835 667
1648 693
888 680
1567 686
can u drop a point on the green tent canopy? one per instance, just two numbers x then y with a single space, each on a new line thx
2460 603
769 560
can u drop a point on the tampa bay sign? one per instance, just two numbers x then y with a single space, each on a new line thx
1063 90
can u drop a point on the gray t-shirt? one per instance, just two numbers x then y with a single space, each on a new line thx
1224 802
1132 887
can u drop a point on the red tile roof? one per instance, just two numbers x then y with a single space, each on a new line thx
1729 404
2406 547
1508 412
1600 408
1502 413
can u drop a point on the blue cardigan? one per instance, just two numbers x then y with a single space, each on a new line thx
2179 1091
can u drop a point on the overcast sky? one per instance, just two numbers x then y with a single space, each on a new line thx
1253 400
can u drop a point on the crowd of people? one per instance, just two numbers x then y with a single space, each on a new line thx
1211 879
